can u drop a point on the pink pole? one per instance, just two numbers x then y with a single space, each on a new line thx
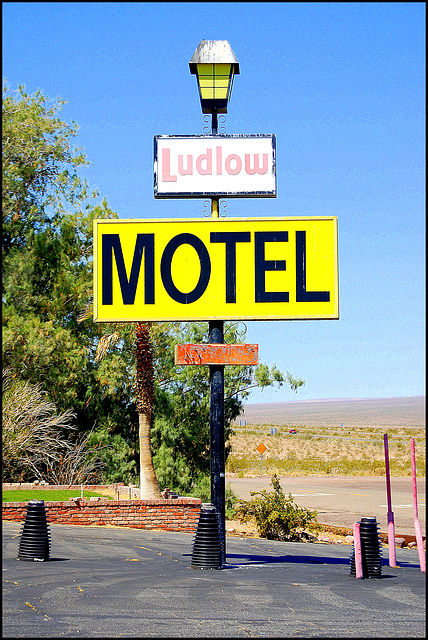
391 528
357 551
418 530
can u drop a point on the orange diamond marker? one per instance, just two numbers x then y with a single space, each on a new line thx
261 448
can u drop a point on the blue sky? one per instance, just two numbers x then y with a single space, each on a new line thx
341 85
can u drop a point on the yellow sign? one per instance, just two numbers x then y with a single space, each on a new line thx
216 269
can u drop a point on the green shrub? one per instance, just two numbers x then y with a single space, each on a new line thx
277 516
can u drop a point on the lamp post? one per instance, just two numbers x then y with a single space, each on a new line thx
215 66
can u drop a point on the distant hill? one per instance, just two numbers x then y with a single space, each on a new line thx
357 412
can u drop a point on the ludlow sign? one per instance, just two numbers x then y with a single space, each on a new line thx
224 269
210 166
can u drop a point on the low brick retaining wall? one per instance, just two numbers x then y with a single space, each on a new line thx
177 514
180 514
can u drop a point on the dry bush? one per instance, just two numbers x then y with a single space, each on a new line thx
33 444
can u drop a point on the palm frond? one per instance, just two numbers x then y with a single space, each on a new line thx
86 312
106 341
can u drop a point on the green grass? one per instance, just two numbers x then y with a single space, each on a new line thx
23 495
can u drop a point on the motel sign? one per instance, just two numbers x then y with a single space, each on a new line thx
224 269
283 268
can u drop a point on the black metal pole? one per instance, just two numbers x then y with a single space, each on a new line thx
214 123
217 465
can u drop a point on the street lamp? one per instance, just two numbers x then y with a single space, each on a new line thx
215 66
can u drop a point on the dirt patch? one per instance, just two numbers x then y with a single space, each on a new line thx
326 535
237 528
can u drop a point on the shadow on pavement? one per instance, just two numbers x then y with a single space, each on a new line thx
258 559
49 560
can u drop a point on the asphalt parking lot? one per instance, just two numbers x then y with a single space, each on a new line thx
118 583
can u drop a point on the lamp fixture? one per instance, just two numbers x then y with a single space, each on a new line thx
215 66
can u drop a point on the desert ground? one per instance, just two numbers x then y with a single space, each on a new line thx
329 437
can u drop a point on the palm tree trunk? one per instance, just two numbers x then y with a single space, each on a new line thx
149 487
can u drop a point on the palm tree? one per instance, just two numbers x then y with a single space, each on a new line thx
145 391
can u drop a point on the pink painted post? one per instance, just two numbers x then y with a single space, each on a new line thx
357 551
391 528
418 530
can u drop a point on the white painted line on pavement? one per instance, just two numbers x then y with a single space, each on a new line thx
398 506
309 495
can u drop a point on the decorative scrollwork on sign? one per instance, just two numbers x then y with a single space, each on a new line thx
222 208
207 125
221 122
238 331
207 209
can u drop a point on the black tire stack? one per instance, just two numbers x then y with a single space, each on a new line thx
370 549
207 551
34 545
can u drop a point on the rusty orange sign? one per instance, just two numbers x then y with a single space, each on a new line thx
234 354
261 448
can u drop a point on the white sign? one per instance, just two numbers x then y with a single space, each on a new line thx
237 166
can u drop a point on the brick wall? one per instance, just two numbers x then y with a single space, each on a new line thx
181 514
177 514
